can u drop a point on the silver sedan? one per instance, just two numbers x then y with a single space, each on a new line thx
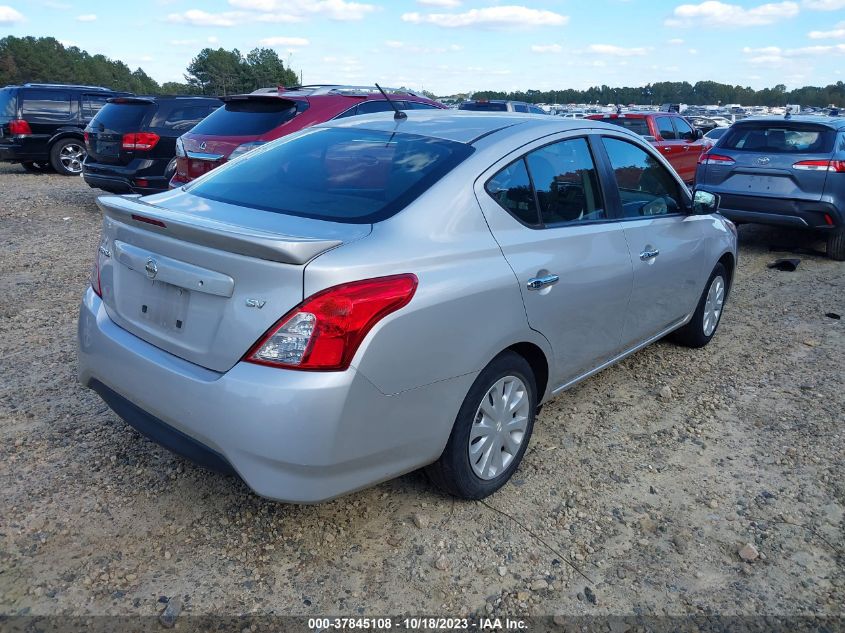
378 294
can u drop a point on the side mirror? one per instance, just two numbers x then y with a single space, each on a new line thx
698 133
704 202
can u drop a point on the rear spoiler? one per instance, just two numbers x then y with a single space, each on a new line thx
196 229
263 98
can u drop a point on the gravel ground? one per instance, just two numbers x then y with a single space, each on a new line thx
653 494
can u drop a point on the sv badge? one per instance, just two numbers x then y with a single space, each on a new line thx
255 303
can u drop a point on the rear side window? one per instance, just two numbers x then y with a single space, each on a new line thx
520 107
484 106
335 174
48 104
536 110
646 187
637 126
418 105
511 188
182 117
92 104
8 103
565 180
779 139
665 128
250 117
121 117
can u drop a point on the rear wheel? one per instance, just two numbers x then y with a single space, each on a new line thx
708 313
491 432
836 244
67 155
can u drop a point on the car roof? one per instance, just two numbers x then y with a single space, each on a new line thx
463 126
837 123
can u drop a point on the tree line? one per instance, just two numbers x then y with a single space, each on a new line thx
700 93
211 72
221 72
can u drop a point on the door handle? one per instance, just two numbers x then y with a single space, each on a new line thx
535 283
667 149
649 254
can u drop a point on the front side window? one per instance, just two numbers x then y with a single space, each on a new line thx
339 174
645 186
565 180
49 104
685 131
511 188
665 128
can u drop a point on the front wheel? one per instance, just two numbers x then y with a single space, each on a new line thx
67 155
491 432
708 313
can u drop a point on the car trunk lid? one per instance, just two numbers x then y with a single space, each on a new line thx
767 160
121 116
176 272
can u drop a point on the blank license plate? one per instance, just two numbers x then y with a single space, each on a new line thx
165 305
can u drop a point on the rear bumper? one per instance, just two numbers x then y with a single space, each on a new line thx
780 211
300 437
19 149
124 179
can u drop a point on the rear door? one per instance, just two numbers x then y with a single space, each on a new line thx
667 248
767 160
46 110
105 132
546 211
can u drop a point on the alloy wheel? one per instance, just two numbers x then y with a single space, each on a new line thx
71 156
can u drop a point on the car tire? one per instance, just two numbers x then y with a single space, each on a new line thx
66 156
35 167
708 314
836 244
465 469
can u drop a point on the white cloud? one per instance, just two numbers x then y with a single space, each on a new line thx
332 9
88 17
617 51
838 32
721 14
444 4
197 17
676 41
8 15
824 5
774 55
284 41
547 48
213 39
496 17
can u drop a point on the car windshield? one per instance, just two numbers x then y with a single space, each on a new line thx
247 117
336 174
484 106
780 138
637 126
8 103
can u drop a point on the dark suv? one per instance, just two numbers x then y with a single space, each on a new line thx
782 171
41 124
131 142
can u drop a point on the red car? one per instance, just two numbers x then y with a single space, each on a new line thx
247 121
669 132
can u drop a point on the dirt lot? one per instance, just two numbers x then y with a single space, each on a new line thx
650 495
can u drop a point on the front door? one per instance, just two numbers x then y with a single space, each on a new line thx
666 244
547 213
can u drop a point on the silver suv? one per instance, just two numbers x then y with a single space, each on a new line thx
374 295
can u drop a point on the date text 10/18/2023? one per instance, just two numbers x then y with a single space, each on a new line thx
417 624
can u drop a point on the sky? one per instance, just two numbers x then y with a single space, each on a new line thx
451 46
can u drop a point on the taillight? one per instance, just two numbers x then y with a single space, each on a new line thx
19 127
102 253
325 330
821 165
140 141
715 159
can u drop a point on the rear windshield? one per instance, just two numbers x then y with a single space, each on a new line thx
8 103
337 174
637 126
778 138
250 117
120 117
484 106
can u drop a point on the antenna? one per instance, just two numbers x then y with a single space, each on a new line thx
397 113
